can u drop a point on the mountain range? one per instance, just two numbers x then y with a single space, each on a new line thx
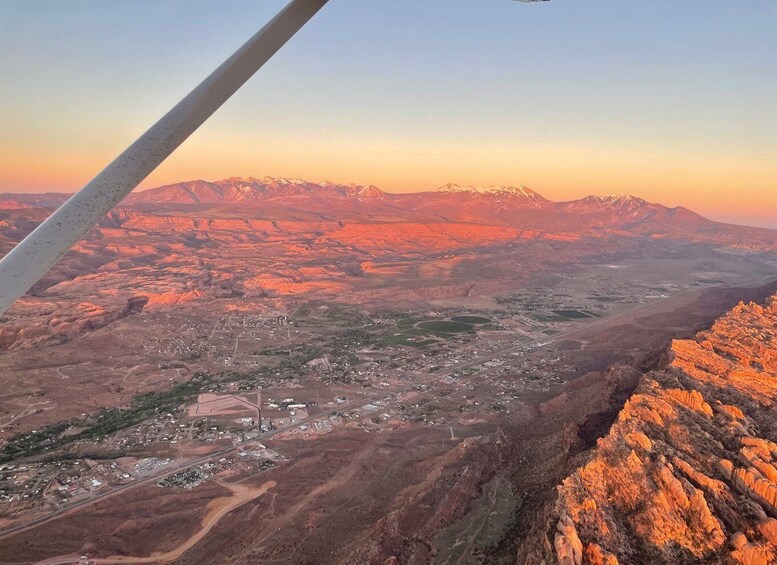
251 191
521 208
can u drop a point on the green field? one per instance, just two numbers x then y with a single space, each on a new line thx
403 338
471 319
318 313
445 326
443 329
550 318
415 331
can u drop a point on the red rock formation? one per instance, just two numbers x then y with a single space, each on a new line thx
688 472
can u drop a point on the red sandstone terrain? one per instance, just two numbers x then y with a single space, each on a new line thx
687 472
278 198
158 292
271 237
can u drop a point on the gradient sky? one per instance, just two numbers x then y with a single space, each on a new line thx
672 101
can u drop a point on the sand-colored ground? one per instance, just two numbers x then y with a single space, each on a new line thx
210 404
217 509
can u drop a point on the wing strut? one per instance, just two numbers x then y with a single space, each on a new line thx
39 251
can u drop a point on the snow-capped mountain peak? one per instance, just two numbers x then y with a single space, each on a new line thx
498 192
455 189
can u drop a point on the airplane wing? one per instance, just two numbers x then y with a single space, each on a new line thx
38 252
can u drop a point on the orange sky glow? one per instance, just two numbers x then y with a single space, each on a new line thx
506 95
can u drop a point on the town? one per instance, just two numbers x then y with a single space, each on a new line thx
279 376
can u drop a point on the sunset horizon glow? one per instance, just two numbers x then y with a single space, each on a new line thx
678 109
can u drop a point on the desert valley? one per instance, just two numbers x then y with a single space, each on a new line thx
280 371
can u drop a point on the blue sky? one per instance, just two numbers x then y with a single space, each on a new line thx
673 101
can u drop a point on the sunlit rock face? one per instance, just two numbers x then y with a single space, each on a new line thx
688 473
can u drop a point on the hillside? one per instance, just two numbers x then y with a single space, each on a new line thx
271 198
687 474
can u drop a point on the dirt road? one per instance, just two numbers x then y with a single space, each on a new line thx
217 509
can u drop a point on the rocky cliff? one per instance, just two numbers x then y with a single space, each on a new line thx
688 472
